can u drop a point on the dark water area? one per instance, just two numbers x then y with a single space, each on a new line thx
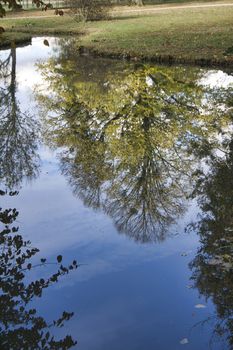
116 203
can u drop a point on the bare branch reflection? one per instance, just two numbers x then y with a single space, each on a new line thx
18 131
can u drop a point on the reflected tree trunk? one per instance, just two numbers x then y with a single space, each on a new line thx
12 87
18 130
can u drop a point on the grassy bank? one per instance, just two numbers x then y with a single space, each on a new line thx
194 35
19 39
185 35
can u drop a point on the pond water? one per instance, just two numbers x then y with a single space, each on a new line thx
126 169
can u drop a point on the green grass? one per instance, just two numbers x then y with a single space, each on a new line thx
190 32
40 25
8 38
185 35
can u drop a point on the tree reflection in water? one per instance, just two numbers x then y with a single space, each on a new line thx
20 325
213 265
134 145
128 140
18 130
131 147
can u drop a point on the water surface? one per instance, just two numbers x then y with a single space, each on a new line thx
127 169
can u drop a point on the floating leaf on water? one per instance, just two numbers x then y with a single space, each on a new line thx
46 43
184 341
189 286
200 306
59 258
184 254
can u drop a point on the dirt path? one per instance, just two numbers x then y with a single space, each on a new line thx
127 10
